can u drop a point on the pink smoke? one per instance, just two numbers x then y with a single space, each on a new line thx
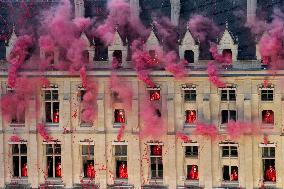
213 75
17 57
182 136
174 66
120 132
124 92
220 58
43 133
237 128
15 138
203 28
154 126
206 130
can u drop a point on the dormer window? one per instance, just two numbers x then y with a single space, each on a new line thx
119 116
117 54
227 54
155 95
153 56
189 56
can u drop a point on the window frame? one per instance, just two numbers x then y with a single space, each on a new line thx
229 116
121 157
157 159
230 146
118 124
89 157
227 92
269 158
262 94
191 154
52 101
53 155
19 155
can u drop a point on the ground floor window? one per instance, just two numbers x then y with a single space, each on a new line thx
268 163
53 160
19 153
230 173
88 161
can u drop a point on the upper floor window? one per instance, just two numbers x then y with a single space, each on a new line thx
120 154
155 95
267 117
191 151
268 163
267 94
228 115
51 102
228 95
190 116
53 160
189 56
119 116
88 161
189 93
229 151
156 160
19 153
192 172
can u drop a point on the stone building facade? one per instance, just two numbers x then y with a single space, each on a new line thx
167 162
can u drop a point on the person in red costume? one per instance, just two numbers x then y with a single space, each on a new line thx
58 170
56 116
120 118
91 171
234 175
270 174
193 174
123 171
157 150
190 117
155 96
25 170
268 117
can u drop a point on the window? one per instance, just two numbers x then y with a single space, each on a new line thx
116 97
229 151
190 95
120 153
83 105
190 116
155 95
156 162
88 161
53 160
189 56
17 117
19 153
228 95
117 55
230 173
51 101
153 56
192 172
227 54
191 151
228 115
266 94
268 161
267 117
119 116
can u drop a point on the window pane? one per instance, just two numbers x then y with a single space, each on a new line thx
16 166
191 151
234 173
15 149
88 150
224 94
232 94
225 151
54 94
269 172
23 149
49 163
57 149
47 95
48 112
49 149
58 166
226 173
190 95
234 151
121 169
233 115
24 166
224 116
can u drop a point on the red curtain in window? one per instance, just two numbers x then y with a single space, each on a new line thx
190 116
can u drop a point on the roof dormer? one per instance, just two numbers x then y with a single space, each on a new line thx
117 50
152 42
227 44
89 51
11 42
188 49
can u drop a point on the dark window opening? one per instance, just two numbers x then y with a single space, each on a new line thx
190 116
228 95
158 113
153 56
101 51
229 151
19 160
267 95
192 172
268 152
230 173
51 106
119 116
191 151
155 95
189 95
227 55
116 97
117 56
267 117
228 115
189 56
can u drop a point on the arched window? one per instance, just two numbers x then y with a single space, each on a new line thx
189 56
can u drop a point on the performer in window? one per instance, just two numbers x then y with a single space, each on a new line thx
91 171
25 170
193 173
234 175
123 171
58 170
270 174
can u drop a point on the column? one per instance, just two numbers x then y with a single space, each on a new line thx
246 173
251 10
67 162
170 162
101 109
170 108
205 178
2 164
175 11
134 168
101 159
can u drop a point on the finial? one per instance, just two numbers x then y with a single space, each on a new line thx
226 24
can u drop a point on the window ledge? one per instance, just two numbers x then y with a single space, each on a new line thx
19 180
156 181
269 183
267 126
17 124
190 126
120 181
191 182
117 125
226 183
86 125
52 124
